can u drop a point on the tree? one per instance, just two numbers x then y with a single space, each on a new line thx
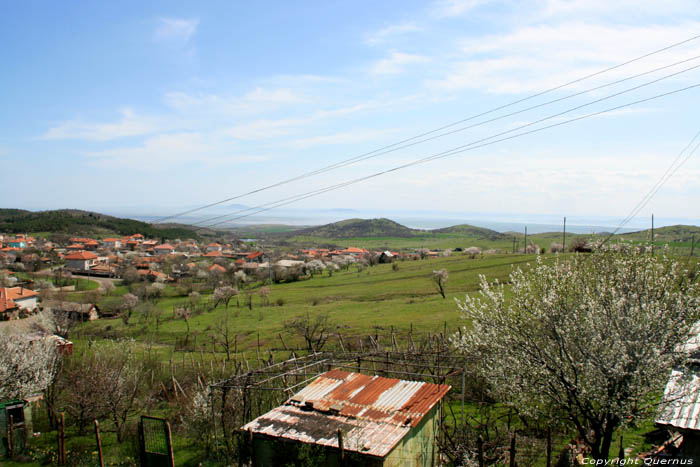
107 381
590 341
440 278
223 336
27 365
315 331
224 294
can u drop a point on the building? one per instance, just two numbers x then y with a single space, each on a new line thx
164 249
680 412
377 421
114 243
15 299
80 261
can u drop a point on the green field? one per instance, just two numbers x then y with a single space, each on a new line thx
357 303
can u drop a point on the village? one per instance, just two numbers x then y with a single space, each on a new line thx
135 258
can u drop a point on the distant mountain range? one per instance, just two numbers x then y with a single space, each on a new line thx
77 222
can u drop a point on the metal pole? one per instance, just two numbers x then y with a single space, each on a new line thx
99 443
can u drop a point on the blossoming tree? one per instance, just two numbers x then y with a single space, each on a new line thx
589 340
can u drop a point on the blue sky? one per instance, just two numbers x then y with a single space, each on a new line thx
160 106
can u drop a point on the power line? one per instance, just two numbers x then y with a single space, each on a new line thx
414 143
362 156
672 169
501 133
452 152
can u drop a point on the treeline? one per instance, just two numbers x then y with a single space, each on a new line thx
83 222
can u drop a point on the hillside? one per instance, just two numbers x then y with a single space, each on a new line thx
673 234
359 228
473 231
76 222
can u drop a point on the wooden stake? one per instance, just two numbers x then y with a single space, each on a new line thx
99 443
340 445
12 437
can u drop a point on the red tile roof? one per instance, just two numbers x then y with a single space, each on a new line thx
81 255
254 255
165 246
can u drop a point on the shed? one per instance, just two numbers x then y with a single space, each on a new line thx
680 409
21 425
378 421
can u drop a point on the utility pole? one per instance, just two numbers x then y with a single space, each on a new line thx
652 234
692 245
525 246
513 244
563 244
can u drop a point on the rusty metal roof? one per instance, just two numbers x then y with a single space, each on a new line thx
374 413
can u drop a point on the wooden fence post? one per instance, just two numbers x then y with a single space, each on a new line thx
169 439
511 461
12 437
99 443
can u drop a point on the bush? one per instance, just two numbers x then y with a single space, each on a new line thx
280 301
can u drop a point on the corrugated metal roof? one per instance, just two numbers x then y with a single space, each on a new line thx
681 402
374 413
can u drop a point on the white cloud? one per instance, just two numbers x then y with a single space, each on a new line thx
349 137
534 58
256 101
267 128
176 30
388 32
130 124
162 152
450 8
396 63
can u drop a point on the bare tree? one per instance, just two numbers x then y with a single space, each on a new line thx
315 331
107 381
223 336
185 313
590 341
264 296
440 279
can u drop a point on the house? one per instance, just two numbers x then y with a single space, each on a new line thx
14 301
91 245
255 257
114 243
217 268
355 251
214 254
74 311
377 421
387 257
80 261
214 247
164 249
24 298
15 243
680 408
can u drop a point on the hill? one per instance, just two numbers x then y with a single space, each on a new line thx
473 231
359 228
673 234
76 222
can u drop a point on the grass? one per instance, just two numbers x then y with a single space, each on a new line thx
358 303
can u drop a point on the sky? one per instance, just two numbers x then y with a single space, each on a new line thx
159 107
